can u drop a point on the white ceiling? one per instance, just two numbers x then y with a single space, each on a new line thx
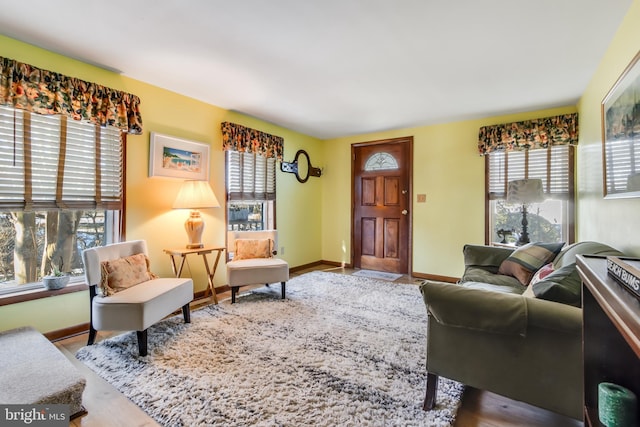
331 68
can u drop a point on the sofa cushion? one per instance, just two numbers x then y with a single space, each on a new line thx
504 288
563 285
526 260
477 274
568 255
122 273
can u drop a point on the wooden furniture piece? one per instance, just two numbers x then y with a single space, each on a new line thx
611 334
211 272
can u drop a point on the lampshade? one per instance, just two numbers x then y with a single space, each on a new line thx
196 195
523 191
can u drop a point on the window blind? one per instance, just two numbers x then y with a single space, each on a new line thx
623 161
49 162
553 165
250 176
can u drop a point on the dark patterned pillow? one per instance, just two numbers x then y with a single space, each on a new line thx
526 260
563 285
546 270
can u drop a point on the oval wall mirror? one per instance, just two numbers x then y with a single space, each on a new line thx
301 167
302 174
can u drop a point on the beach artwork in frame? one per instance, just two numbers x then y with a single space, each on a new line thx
178 158
620 112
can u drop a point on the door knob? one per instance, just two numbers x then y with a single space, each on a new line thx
404 212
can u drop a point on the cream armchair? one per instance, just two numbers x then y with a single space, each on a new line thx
128 299
254 261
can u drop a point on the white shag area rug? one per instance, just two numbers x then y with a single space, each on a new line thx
339 351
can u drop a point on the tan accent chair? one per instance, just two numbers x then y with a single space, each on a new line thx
255 271
138 307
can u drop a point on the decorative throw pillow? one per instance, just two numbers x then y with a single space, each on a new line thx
541 274
563 285
526 260
253 248
123 273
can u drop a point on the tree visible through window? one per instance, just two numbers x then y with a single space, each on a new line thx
61 185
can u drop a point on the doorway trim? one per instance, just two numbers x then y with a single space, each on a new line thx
409 165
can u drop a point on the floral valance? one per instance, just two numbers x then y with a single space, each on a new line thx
40 91
239 138
529 134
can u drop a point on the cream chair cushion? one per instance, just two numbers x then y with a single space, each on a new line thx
255 271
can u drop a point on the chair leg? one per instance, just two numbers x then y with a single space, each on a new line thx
142 342
234 291
186 313
283 287
432 390
92 335
93 291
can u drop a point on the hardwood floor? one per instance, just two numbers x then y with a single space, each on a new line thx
106 407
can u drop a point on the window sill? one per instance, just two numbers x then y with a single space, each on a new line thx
35 294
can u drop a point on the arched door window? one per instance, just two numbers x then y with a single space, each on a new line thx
381 161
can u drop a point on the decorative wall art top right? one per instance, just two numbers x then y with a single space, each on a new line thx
620 112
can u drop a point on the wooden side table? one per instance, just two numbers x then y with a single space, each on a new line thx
183 252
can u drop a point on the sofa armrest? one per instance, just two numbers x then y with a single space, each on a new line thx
475 309
486 257
554 316
496 312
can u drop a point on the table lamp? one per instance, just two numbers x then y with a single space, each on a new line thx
195 195
524 191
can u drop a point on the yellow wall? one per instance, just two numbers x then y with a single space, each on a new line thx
446 167
149 200
613 221
314 218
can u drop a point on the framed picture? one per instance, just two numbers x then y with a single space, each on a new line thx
620 113
178 158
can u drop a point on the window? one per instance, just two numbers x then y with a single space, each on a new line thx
61 185
549 221
251 191
381 161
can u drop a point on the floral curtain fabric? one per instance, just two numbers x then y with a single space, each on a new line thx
40 91
239 138
529 134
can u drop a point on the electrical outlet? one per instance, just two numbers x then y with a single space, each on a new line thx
281 250
422 198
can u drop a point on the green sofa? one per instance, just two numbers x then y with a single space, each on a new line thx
492 332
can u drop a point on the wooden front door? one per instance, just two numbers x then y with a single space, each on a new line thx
381 175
